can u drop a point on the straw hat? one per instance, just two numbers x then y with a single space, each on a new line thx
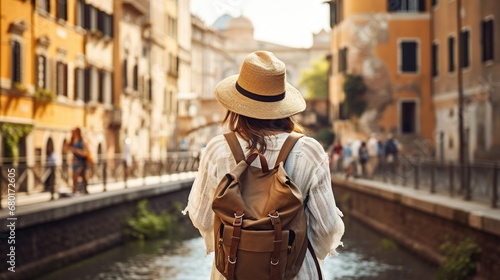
260 91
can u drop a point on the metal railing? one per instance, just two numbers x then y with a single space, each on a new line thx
476 181
40 177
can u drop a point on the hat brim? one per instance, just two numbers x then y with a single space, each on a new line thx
227 95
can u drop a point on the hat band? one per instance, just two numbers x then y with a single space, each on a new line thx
263 98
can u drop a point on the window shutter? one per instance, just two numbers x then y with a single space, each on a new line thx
86 16
65 79
16 62
87 84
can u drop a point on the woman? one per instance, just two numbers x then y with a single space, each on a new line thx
80 152
260 107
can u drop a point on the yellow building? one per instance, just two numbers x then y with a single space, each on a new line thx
386 42
43 47
480 83
17 89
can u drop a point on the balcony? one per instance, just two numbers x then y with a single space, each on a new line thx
141 6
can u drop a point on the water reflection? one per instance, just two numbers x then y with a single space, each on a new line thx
366 255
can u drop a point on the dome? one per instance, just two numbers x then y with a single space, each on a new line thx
222 22
240 22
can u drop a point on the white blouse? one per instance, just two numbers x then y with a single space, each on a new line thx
307 165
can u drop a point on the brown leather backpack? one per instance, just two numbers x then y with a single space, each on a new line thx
260 227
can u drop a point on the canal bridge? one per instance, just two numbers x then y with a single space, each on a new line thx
51 234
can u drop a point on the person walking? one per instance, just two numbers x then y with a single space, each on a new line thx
363 158
80 153
336 156
260 105
373 152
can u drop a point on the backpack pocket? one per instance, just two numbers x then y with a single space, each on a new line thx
253 258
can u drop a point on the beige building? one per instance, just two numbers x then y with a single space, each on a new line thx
97 69
217 52
172 65
132 58
480 70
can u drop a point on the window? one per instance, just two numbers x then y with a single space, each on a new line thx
108 87
108 25
90 16
451 54
62 9
150 89
136 77
343 60
435 59
79 84
333 14
408 117
408 56
487 40
406 5
44 5
16 62
80 13
61 78
102 77
41 72
172 26
465 48
87 84
124 74
94 84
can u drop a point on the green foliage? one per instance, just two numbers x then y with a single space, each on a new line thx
315 80
325 137
12 133
148 225
388 244
20 87
44 95
354 88
460 261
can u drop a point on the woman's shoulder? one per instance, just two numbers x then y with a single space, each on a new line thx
217 143
311 143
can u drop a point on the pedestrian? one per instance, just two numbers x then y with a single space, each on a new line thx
336 156
347 159
260 105
363 158
50 166
80 154
373 153
356 144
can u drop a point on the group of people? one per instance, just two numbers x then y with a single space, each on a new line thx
362 158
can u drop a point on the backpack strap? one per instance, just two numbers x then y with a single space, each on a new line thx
235 146
316 262
287 146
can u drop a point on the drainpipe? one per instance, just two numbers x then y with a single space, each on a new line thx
463 182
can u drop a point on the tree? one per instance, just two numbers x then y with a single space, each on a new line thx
354 88
315 79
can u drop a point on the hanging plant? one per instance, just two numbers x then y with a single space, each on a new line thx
354 88
44 95
12 133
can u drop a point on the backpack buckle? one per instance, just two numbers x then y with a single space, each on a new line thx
238 219
229 260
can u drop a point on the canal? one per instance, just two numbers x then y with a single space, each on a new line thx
365 255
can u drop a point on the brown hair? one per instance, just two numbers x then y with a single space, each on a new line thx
254 131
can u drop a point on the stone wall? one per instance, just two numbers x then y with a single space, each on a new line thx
422 222
55 234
